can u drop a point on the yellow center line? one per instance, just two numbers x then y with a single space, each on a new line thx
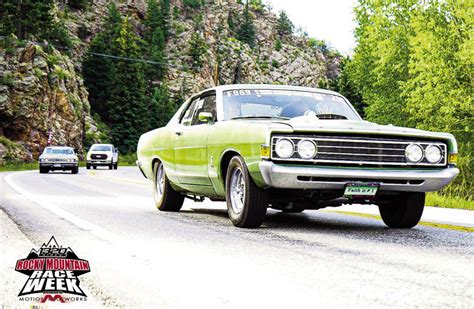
424 223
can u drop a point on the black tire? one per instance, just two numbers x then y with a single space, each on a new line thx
404 211
170 200
94 167
75 170
288 207
43 170
254 200
111 165
116 165
88 166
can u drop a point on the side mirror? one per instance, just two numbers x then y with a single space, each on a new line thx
205 117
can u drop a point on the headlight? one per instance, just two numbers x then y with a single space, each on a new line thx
433 154
284 148
306 149
414 153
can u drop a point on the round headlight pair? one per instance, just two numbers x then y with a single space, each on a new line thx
415 153
285 148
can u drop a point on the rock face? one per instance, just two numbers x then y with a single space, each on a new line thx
41 92
231 61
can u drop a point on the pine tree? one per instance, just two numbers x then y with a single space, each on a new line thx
285 26
165 7
32 20
127 108
197 50
162 107
246 32
98 71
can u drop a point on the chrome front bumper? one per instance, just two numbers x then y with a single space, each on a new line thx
322 177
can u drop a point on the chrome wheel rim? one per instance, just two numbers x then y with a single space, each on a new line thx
159 183
237 191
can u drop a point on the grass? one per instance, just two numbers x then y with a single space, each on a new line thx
436 200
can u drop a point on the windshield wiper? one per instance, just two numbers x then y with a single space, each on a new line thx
259 117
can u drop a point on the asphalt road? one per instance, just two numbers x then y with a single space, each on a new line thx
141 257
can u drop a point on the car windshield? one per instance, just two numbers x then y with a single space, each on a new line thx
286 104
63 151
101 148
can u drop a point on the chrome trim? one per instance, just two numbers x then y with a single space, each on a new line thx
442 163
292 143
422 153
286 177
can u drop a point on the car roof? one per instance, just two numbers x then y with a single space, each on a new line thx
60 147
103 145
266 86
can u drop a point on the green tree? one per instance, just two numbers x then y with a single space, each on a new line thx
127 108
99 71
438 90
32 20
162 107
79 4
246 32
197 50
285 26
344 84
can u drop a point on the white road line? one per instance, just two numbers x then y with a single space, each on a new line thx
81 223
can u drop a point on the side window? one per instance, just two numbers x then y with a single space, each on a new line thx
188 114
208 105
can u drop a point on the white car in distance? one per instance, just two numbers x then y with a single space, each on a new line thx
102 155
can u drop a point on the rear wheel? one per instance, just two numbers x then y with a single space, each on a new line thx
88 166
404 211
94 167
115 165
246 203
166 198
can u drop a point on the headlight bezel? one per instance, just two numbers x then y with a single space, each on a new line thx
315 152
292 148
422 151
427 154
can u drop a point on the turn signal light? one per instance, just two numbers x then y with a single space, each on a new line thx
453 158
265 151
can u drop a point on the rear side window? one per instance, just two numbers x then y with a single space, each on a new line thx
188 114
208 105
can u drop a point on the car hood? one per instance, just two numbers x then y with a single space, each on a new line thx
58 156
310 124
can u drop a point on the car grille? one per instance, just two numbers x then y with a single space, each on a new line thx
361 150
99 156
56 160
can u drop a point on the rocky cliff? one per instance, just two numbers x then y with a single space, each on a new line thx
40 91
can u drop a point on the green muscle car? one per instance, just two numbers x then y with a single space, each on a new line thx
291 149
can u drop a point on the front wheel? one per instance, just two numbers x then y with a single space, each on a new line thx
246 203
404 211
75 170
166 198
115 165
43 170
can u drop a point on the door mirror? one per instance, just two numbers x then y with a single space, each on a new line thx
205 117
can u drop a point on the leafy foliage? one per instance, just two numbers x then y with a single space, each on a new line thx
413 66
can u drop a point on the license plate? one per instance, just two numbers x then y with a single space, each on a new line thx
360 189
57 165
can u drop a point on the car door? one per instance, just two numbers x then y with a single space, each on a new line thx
191 157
